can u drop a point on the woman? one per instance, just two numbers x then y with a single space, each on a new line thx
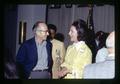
78 54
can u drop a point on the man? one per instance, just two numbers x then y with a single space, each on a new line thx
106 69
34 56
58 51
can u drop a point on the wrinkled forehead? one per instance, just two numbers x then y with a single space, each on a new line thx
42 26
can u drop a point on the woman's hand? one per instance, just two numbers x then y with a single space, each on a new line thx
63 72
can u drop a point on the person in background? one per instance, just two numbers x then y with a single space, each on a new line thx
58 51
102 53
105 69
60 37
34 57
78 55
98 39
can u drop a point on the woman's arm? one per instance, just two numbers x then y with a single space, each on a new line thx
64 71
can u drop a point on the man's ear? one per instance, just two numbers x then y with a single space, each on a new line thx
34 31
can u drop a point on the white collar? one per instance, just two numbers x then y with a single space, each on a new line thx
78 44
111 56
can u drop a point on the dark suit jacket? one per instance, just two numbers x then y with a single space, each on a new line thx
27 57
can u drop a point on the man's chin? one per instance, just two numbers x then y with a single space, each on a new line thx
45 39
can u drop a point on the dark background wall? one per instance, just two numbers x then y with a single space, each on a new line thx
10 27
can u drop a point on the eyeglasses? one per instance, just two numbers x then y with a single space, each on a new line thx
42 31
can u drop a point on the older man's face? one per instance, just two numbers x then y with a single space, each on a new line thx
42 31
110 42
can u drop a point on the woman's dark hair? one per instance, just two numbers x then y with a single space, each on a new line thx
81 28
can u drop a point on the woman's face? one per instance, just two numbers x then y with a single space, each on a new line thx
73 34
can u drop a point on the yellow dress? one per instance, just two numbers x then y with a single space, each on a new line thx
58 53
77 57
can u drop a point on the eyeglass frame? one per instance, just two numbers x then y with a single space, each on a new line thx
42 30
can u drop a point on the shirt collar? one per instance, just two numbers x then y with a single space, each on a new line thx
43 43
78 44
111 56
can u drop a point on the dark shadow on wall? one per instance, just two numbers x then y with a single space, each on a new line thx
10 27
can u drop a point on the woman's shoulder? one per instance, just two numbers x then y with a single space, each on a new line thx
70 46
